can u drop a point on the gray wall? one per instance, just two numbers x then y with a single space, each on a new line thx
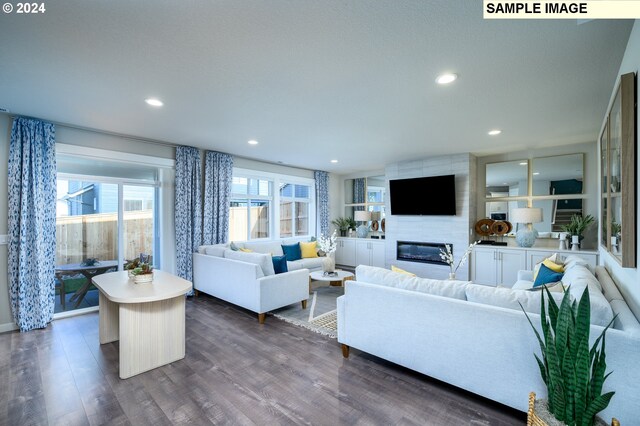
437 229
628 278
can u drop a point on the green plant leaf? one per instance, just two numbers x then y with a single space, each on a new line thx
569 375
595 406
543 369
563 322
556 390
582 369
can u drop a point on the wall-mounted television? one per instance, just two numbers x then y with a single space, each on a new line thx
423 196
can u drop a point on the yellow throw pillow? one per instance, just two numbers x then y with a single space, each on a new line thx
309 249
402 271
246 250
549 264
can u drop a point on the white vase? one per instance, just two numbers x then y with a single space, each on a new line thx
575 242
614 244
143 278
328 264
452 275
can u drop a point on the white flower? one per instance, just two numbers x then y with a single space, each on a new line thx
447 256
328 244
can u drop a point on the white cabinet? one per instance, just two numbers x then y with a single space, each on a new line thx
500 265
346 252
370 252
493 266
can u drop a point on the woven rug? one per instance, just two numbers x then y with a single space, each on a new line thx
320 315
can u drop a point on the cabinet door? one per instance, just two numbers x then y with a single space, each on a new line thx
363 252
346 253
377 254
483 268
509 263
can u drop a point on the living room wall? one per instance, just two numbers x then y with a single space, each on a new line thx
628 278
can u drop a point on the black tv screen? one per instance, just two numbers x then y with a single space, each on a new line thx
428 196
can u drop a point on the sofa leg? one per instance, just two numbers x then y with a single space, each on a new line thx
196 293
345 351
261 318
304 304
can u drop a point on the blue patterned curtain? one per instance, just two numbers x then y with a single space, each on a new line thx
188 209
359 192
32 222
218 175
322 201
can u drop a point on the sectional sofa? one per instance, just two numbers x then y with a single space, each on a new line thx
487 348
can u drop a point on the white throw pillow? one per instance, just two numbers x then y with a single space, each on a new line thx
263 260
217 250
577 277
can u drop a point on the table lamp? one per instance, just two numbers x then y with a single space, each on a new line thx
362 216
526 237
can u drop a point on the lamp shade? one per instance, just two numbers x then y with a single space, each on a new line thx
362 216
526 215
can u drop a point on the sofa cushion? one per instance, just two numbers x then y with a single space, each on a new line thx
311 263
217 250
625 320
577 277
385 277
292 252
609 288
508 298
547 275
309 250
280 264
261 259
270 247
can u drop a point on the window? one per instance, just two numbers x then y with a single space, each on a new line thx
256 204
108 211
294 209
249 215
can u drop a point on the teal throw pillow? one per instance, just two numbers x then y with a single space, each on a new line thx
233 246
280 264
546 276
292 252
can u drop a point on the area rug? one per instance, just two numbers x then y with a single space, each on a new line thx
320 315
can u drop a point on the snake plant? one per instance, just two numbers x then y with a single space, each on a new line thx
573 373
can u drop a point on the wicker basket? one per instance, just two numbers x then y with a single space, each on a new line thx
534 420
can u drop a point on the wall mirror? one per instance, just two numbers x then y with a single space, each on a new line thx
561 174
366 193
503 180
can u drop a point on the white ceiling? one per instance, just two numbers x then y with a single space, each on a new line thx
310 80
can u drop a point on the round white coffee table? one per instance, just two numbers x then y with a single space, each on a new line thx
335 280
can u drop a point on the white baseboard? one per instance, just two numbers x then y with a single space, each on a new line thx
10 326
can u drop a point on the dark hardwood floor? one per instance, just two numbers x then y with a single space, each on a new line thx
235 372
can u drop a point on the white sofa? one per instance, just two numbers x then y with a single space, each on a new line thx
485 349
247 280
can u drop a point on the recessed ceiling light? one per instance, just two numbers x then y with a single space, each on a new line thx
252 142
523 163
154 102
334 161
536 173
446 78
494 132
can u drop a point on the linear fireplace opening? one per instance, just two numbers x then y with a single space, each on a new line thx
413 251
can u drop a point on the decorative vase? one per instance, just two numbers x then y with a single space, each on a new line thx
526 237
143 278
452 275
563 241
328 264
343 232
575 242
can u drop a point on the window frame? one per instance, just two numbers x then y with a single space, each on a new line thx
275 180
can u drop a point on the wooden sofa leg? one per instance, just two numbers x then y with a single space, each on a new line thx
261 318
196 293
304 304
345 351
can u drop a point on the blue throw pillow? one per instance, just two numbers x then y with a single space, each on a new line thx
546 276
280 264
292 252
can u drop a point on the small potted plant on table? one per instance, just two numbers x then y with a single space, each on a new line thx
143 273
576 228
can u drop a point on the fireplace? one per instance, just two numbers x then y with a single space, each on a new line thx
412 251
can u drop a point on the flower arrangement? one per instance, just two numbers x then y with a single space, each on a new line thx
447 256
328 244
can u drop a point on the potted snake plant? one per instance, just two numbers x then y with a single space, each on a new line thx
573 373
